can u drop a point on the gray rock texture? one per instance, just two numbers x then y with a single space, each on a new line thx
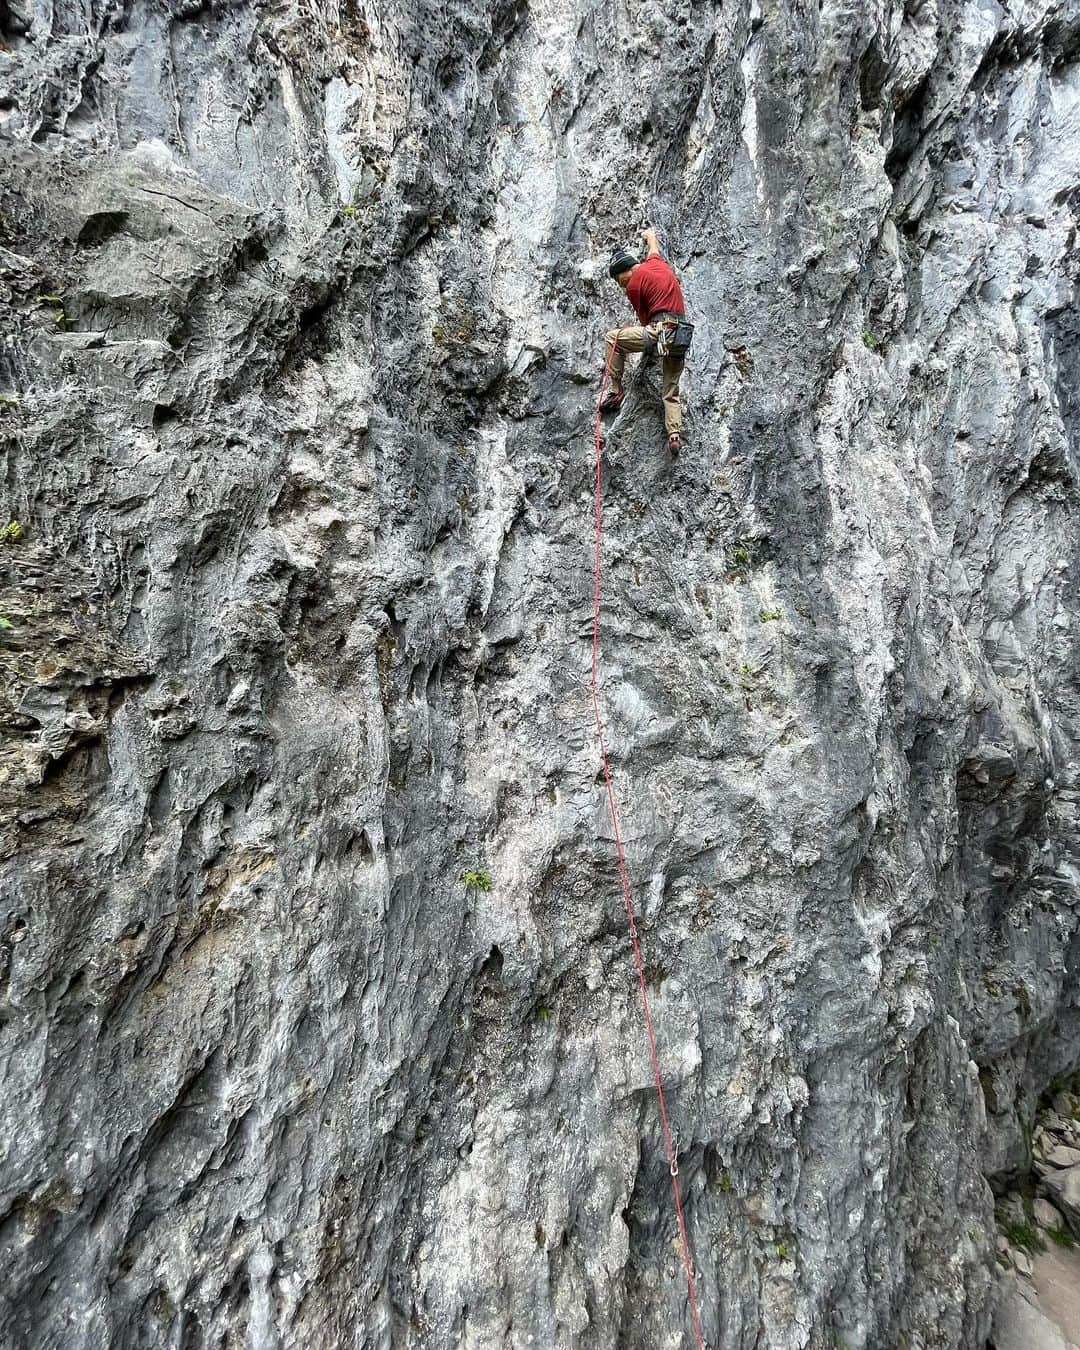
1045 1215
301 317
1064 1188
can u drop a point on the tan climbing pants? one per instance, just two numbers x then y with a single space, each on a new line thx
640 340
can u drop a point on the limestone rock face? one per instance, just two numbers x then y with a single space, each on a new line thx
1064 1186
301 309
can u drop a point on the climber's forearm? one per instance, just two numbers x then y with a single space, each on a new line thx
651 241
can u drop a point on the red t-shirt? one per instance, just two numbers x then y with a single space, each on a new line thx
654 289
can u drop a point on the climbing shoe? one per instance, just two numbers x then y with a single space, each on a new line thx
674 443
611 401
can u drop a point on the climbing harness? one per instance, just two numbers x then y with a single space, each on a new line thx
673 336
673 1165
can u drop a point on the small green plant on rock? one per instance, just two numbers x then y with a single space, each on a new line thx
348 211
1058 1084
11 531
477 879
872 342
1061 1236
770 615
741 555
1024 1236
5 623
457 323
544 1013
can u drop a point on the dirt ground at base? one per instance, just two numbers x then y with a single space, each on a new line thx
1056 1277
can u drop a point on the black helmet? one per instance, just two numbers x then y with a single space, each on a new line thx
621 259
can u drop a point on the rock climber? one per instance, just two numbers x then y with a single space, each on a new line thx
653 290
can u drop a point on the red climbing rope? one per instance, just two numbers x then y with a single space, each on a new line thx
673 1165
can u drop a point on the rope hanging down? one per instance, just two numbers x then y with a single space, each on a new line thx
673 1165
